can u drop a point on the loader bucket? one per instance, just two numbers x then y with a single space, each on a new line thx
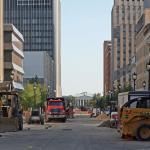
8 124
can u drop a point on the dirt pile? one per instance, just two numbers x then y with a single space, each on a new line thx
102 117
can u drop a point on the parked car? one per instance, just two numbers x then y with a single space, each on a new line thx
36 117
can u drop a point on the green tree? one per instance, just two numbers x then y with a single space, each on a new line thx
127 88
43 92
103 101
70 100
34 80
92 103
99 101
29 97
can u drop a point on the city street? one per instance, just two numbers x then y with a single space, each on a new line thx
75 134
88 61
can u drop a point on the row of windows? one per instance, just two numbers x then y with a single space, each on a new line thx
35 31
38 50
39 40
37 21
132 0
30 16
33 2
132 8
128 8
42 27
39 47
35 38
38 35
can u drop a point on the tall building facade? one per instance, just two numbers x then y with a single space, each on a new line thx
143 48
13 57
1 42
125 14
39 22
107 63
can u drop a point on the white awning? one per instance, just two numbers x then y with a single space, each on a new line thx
18 68
18 51
17 86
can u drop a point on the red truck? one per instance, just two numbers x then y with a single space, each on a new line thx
55 109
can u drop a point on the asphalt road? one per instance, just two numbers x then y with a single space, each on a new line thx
75 134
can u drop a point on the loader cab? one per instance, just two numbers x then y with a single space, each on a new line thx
141 102
10 101
134 116
11 110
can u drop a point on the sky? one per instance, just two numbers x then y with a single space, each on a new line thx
85 24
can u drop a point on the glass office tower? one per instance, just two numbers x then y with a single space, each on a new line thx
39 22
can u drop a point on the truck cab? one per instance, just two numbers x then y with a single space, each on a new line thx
55 109
134 116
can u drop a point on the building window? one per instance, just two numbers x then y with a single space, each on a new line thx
7 75
7 37
7 56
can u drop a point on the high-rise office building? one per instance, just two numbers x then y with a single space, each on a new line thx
39 22
107 61
1 42
125 14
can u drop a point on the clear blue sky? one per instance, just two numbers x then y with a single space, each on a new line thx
85 25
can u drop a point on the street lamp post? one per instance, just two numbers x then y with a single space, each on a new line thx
148 69
119 87
48 91
134 77
144 84
12 78
34 89
54 93
110 94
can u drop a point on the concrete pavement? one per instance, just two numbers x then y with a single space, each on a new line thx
75 134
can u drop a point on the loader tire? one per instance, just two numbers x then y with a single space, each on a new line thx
143 132
20 126
42 121
64 120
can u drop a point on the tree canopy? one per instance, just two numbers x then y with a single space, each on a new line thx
31 97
